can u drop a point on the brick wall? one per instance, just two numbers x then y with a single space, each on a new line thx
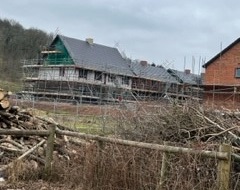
222 70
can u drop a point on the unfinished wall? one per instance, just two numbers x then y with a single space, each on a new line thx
71 74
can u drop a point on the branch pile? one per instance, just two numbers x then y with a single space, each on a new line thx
183 124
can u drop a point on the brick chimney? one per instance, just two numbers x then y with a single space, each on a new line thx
187 71
89 41
143 63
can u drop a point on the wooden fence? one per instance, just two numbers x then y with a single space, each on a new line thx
224 155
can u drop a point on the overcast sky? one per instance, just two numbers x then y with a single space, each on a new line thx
159 31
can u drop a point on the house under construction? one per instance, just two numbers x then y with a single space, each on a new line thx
222 78
74 69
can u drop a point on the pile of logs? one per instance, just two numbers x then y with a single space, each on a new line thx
17 147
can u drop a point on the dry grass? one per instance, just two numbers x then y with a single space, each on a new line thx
113 167
108 166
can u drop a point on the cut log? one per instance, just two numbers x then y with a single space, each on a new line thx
14 109
2 94
5 103
6 121
7 115
14 143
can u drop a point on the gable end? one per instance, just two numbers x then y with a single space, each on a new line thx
221 53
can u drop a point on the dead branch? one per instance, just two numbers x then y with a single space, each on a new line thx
18 145
220 133
235 137
31 150
10 149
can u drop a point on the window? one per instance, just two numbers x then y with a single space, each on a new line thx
154 83
143 82
62 71
82 73
237 73
111 78
125 80
98 75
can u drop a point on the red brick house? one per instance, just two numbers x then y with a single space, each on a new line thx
222 78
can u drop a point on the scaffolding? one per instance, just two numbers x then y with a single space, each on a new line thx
222 87
96 85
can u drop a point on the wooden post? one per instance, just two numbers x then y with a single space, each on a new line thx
224 168
164 169
49 150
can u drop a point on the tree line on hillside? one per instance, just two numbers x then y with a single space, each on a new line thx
16 44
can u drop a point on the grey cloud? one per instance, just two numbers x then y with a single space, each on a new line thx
146 29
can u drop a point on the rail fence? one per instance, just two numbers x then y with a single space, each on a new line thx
224 156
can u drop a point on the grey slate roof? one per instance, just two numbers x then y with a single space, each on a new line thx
154 73
96 56
182 77
108 59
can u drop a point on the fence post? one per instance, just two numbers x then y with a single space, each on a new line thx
49 150
164 169
224 168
